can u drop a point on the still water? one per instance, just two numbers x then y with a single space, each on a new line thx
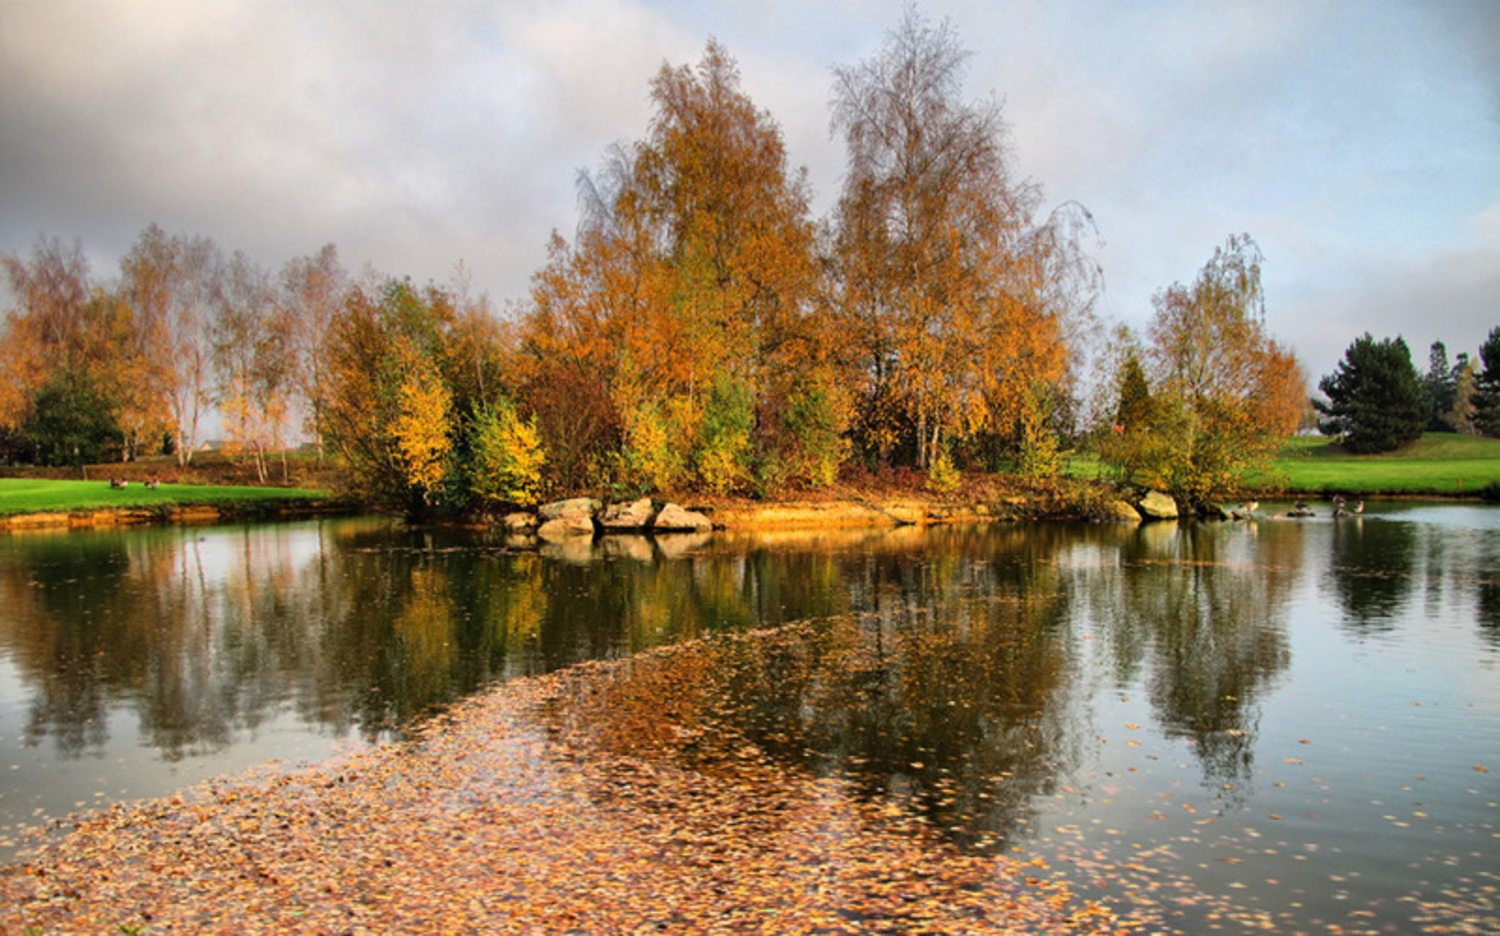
1275 724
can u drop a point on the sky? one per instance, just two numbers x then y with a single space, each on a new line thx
1358 142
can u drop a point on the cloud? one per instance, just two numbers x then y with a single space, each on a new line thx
1359 144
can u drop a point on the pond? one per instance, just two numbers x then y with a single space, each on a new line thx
1283 724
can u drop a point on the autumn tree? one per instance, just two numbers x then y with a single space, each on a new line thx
507 458
952 292
172 284
312 292
65 348
46 331
1460 416
407 408
253 361
1374 397
689 287
1225 391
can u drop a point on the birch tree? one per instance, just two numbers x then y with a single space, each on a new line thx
952 291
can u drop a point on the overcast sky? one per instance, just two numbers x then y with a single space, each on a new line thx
1357 142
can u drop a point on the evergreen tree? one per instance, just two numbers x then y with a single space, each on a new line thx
71 422
1487 386
1375 399
1439 388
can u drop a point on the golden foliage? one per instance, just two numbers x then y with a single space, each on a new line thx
420 431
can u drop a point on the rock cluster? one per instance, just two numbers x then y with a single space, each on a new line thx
586 516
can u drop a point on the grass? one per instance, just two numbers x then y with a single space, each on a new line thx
1438 463
37 495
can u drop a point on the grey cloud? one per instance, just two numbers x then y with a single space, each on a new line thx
1351 140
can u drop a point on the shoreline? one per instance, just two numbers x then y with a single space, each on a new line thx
848 511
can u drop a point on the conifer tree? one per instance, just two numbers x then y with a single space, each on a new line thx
1374 400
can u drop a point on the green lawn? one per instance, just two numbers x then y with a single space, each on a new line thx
26 496
1438 463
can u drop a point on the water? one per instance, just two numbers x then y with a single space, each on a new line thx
1280 724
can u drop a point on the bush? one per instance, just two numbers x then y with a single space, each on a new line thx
942 476
723 449
506 457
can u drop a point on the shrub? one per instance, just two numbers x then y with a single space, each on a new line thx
507 456
942 476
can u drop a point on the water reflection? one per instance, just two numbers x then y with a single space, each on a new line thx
1372 571
950 666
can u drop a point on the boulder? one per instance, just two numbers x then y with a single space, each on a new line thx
586 506
567 526
1119 511
675 519
1157 506
623 517
1212 511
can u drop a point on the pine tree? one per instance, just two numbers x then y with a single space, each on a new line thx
1375 400
1439 388
1487 386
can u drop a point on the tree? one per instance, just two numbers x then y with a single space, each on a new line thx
1486 397
507 456
65 345
421 432
252 354
1225 391
146 282
1460 417
1439 387
70 422
693 264
951 296
1374 398
312 291
172 284
1134 434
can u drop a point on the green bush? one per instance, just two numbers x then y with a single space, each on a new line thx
506 456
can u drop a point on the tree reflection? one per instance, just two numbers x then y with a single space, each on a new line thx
1206 606
1371 571
936 688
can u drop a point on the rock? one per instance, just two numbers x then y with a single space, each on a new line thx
1157 506
586 506
1212 511
1119 511
675 519
567 526
633 516
519 522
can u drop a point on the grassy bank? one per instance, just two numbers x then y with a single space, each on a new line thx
1437 464
20 496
